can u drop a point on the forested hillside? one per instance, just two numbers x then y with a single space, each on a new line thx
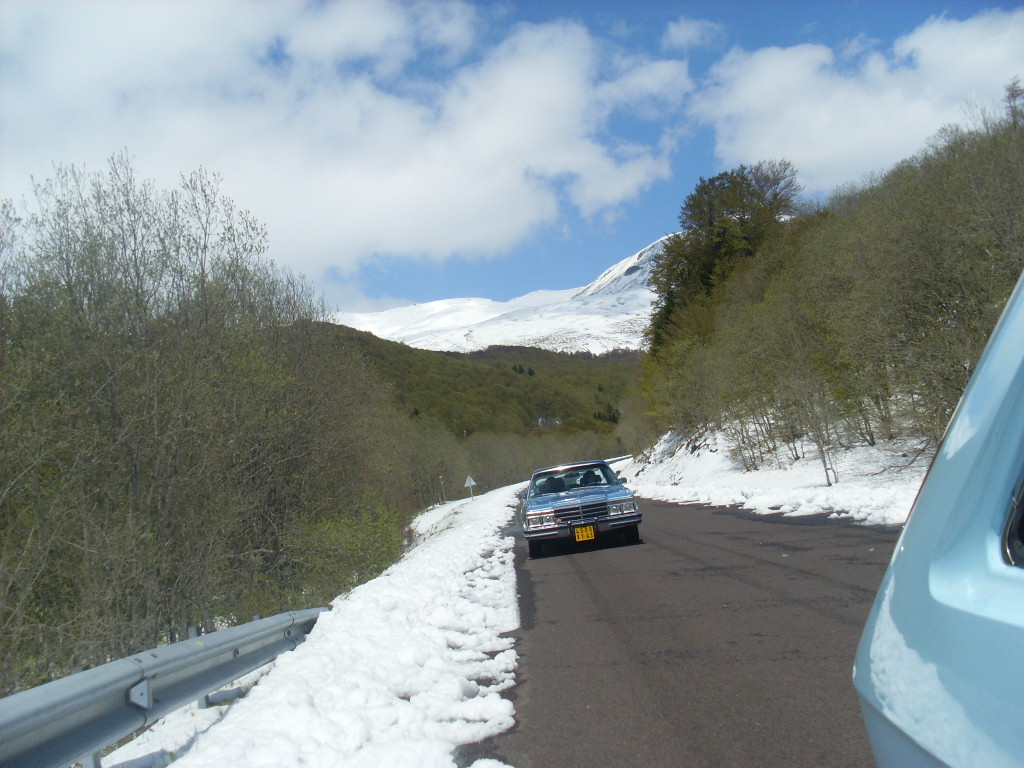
515 390
857 321
185 440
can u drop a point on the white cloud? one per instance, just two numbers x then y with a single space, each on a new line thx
838 119
964 56
379 128
685 34
652 89
388 33
322 122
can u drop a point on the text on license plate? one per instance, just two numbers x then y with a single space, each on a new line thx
584 533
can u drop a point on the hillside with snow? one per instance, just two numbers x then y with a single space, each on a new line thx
609 313
875 485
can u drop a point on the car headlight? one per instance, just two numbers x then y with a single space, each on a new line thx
622 508
540 520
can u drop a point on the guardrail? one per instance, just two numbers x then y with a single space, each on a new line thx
71 719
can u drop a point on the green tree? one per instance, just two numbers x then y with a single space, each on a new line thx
723 221
177 426
858 322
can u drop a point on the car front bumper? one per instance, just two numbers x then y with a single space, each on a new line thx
603 524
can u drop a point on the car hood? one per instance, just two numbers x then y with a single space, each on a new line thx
581 496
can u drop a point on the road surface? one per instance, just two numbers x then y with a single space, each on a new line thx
722 639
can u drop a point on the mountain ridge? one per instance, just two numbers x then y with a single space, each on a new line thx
609 313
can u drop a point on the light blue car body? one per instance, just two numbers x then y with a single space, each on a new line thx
940 666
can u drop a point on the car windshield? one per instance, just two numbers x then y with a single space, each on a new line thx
572 479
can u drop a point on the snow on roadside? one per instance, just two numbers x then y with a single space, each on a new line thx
874 486
401 671
409 666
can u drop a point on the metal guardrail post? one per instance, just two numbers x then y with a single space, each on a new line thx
71 719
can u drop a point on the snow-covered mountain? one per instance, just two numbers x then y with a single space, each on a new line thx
609 313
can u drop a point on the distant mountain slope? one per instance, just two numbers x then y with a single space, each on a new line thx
609 313
501 390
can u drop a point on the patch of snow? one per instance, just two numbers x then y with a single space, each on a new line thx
609 313
874 487
628 276
400 672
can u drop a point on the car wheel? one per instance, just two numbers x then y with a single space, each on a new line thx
631 535
536 548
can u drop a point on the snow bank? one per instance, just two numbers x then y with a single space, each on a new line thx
876 485
401 671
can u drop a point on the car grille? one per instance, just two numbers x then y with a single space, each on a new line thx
576 511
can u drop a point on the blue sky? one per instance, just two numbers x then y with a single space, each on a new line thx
411 151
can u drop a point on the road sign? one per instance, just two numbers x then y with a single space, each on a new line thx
470 482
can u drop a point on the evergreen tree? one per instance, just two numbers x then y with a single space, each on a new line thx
723 221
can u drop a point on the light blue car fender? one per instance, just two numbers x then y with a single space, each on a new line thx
940 666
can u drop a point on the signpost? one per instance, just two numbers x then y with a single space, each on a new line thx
470 482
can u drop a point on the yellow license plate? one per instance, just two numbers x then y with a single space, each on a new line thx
585 533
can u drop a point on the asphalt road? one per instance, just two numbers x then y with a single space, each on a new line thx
722 639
